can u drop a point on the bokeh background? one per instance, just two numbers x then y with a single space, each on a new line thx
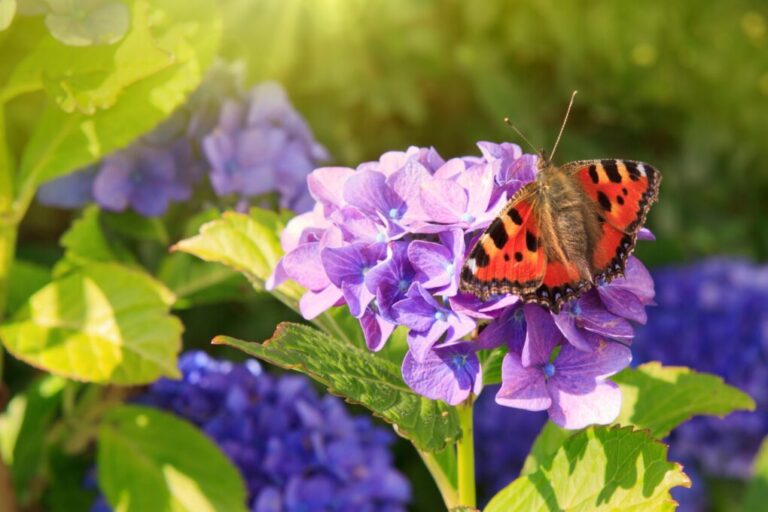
682 85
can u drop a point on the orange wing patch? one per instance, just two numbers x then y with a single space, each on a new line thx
623 192
507 258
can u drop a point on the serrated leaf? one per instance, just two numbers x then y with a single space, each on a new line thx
360 377
24 426
151 460
660 398
111 99
102 323
598 469
491 365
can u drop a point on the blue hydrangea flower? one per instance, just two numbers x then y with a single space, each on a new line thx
296 451
713 317
70 191
427 211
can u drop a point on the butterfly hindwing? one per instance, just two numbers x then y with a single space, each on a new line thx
508 257
623 192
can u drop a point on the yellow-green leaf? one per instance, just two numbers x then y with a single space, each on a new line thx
102 323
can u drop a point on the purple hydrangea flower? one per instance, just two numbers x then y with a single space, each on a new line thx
713 317
261 144
427 212
295 450
144 178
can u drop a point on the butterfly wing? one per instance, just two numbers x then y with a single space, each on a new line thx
508 258
623 192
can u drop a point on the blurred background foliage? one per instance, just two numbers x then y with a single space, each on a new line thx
682 85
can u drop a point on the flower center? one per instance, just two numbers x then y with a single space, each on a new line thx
365 270
576 309
459 361
403 285
466 217
549 370
381 237
394 213
449 268
439 316
519 315
136 177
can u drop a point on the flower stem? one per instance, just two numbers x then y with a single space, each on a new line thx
465 454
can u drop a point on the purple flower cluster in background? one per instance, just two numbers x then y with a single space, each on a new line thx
713 317
251 144
389 239
296 451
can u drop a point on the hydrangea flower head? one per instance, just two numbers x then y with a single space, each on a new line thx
296 451
389 238
261 144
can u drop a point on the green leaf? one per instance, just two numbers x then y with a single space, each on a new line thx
86 241
549 440
757 492
491 364
7 13
112 94
24 426
100 323
660 398
26 278
249 244
151 460
360 377
96 22
598 469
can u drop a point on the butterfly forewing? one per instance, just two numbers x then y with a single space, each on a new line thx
507 257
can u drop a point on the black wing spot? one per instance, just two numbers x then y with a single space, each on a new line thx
624 191
518 256
498 233
620 200
593 173
466 274
506 257
634 173
531 242
605 203
480 256
612 170
515 216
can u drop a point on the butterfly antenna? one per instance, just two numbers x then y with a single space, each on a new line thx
562 127
506 120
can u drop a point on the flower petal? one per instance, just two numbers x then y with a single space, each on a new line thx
521 387
447 373
599 406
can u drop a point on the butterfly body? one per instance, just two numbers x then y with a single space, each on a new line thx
559 234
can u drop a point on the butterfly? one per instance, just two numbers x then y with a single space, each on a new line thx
571 227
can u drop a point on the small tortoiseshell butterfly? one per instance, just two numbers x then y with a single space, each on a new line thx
573 225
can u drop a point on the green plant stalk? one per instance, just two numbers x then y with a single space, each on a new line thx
465 455
448 492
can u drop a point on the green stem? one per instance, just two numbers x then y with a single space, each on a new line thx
465 455
447 490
